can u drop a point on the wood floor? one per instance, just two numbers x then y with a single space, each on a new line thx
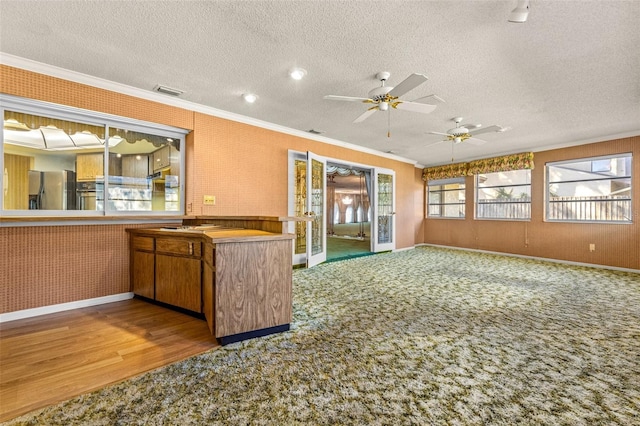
51 358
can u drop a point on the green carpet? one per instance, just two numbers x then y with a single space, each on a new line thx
346 248
427 336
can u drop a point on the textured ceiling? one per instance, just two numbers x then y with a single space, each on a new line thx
569 75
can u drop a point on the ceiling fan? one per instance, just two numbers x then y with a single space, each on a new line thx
466 132
385 96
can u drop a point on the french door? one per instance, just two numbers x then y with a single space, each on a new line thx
383 231
308 198
316 209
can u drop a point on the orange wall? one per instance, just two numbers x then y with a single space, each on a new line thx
244 166
617 245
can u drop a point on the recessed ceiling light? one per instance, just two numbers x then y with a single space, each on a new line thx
250 97
298 73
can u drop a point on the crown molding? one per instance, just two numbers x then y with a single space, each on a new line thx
65 74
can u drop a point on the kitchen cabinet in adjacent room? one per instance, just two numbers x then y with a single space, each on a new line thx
89 166
162 158
135 166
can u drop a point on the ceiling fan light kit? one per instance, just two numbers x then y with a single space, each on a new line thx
466 132
384 96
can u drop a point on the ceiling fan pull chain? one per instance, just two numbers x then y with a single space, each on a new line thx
389 124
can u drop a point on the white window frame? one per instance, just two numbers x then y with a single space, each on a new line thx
548 197
512 201
441 182
63 112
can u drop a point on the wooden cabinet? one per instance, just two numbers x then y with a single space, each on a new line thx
240 279
89 166
135 166
167 270
162 158
178 272
143 266
16 181
251 288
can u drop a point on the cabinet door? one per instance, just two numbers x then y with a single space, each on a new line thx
135 167
88 166
161 158
142 274
178 281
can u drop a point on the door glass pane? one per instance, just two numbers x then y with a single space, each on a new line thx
385 208
300 203
317 184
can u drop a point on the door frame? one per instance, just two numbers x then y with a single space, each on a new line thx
391 245
301 155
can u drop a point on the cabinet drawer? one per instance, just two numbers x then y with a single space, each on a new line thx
179 246
143 243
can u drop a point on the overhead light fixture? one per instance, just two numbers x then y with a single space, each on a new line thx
168 90
250 97
520 13
297 73
13 124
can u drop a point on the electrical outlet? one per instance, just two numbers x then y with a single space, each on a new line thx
210 200
592 247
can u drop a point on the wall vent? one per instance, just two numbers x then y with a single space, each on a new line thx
168 90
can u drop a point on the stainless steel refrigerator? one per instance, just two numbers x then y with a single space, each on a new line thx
52 190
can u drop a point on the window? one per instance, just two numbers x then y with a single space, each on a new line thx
446 198
591 189
504 195
64 161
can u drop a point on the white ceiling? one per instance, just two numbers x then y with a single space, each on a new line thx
569 75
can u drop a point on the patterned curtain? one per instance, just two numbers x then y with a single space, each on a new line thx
504 163
445 172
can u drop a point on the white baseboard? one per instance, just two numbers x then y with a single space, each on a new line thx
34 312
545 259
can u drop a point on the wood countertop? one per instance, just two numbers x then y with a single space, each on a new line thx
214 234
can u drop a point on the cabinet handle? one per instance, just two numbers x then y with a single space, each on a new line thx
191 249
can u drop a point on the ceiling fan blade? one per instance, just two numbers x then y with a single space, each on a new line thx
439 133
485 130
436 143
415 107
430 99
347 98
409 83
475 141
365 115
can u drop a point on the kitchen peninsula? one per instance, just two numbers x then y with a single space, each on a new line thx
239 278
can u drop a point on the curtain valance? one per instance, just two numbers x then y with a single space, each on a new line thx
342 171
503 163
445 172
